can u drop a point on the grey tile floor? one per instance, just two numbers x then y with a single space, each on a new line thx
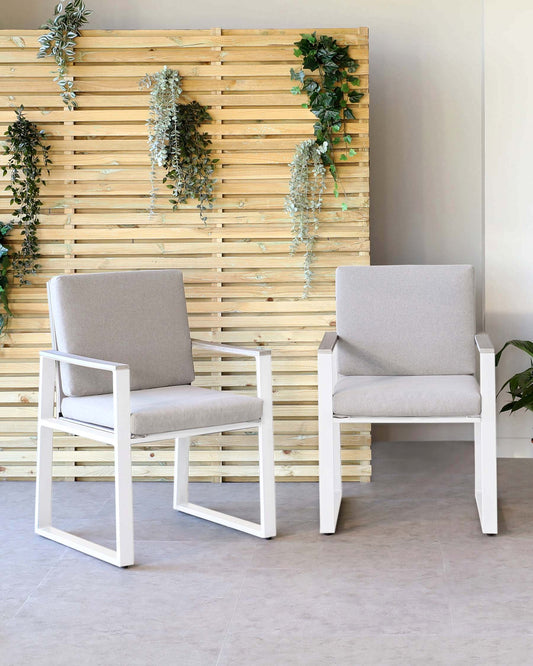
408 578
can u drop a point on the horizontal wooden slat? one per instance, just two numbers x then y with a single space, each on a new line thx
242 285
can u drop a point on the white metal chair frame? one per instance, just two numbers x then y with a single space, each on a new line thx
121 439
330 479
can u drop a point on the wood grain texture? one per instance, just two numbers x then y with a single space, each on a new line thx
242 286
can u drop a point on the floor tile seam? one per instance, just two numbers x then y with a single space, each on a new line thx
105 503
446 577
230 621
40 583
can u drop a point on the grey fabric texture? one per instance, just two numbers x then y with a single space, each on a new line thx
134 317
167 409
406 320
435 395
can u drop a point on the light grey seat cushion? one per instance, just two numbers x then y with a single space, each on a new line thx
167 409
134 317
406 320
437 395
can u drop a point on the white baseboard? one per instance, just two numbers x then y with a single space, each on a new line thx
515 447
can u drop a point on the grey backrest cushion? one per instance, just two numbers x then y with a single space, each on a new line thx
406 320
134 317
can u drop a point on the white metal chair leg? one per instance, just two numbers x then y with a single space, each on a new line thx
123 555
266 527
485 446
337 460
329 444
181 472
477 457
43 491
124 504
267 485
330 480
486 471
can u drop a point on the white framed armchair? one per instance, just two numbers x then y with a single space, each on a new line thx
120 373
405 352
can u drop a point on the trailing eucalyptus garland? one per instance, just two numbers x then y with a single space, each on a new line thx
165 90
5 312
28 155
330 88
176 143
306 187
60 42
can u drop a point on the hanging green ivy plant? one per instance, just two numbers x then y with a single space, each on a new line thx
177 144
5 312
330 88
327 76
60 42
28 155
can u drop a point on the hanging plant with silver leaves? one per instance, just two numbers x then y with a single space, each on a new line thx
304 201
60 43
177 144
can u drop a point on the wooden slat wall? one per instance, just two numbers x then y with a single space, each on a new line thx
242 285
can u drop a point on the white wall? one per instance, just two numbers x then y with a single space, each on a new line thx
425 118
509 197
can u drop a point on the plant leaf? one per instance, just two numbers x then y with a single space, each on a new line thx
524 345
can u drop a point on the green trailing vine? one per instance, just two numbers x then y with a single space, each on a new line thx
165 90
5 312
327 76
28 155
60 42
330 87
193 179
176 143
306 187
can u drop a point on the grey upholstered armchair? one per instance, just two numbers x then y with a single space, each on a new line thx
404 352
120 373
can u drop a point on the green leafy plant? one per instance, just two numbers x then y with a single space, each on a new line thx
165 90
60 42
306 187
327 76
330 84
177 144
193 177
28 155
521 384
5 312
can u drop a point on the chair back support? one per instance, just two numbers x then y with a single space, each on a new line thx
133 317
406 320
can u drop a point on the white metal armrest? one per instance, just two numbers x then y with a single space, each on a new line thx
263 367
121 393
484 343
230 349
84 361
328 342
